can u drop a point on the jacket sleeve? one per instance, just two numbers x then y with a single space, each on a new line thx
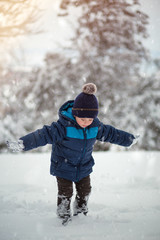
47 135
107 133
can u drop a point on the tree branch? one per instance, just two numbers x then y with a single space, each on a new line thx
17 17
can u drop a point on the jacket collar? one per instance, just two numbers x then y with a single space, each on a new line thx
66 110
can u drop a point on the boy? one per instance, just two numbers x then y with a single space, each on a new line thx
72 138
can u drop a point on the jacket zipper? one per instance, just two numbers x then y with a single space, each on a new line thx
84 150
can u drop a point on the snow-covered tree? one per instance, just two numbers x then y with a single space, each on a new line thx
48 89
109 40
147 100
140 111
13 120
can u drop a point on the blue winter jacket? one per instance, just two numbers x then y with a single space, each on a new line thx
72 146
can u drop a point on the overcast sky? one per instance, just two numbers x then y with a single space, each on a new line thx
59 32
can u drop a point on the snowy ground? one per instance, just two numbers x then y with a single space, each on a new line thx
124 204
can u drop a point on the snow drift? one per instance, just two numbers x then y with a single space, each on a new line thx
124 204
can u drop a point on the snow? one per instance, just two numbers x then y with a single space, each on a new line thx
124 204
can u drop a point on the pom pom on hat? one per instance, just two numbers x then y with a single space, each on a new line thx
89 88
86 104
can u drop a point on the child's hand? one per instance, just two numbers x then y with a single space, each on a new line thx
15 146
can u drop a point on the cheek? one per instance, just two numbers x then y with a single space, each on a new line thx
80 122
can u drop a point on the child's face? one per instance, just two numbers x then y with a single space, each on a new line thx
84 122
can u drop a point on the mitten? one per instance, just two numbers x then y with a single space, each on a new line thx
135 140
15 146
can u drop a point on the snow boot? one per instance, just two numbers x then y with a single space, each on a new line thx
66 220
78 210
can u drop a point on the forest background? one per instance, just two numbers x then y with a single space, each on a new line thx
92 41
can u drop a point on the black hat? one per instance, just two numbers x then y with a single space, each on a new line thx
86 104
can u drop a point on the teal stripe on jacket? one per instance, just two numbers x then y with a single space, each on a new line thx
73 132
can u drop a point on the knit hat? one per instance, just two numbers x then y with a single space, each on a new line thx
86 104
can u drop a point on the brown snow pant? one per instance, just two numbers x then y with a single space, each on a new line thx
65 192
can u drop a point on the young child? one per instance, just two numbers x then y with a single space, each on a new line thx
73 137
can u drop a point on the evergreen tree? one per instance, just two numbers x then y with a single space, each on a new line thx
109 42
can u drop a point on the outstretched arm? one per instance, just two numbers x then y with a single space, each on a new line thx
110 134
41 137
